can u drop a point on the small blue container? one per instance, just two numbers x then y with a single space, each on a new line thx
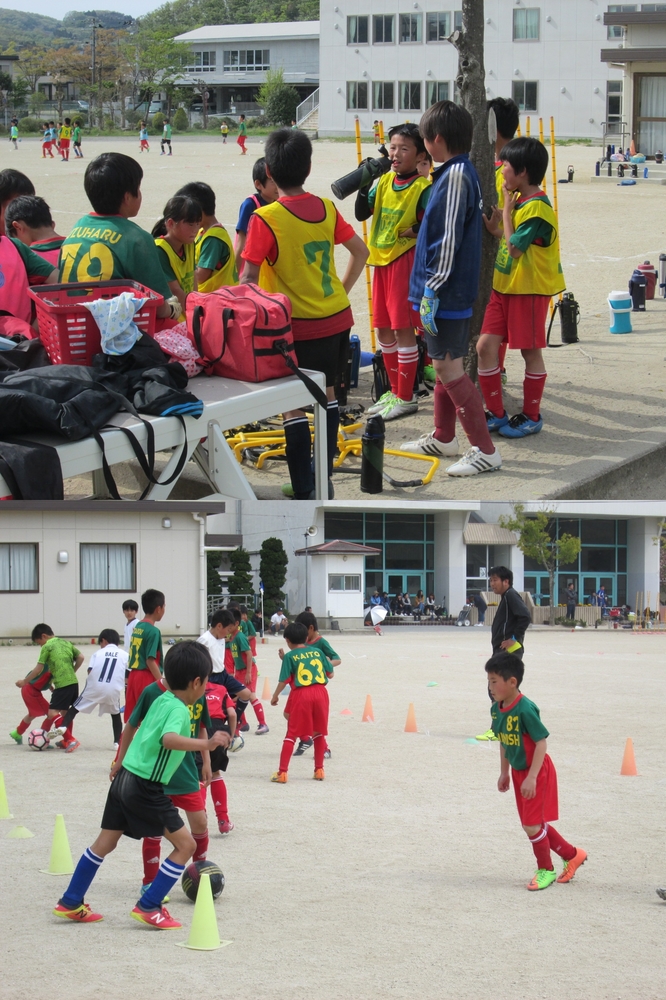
620 312
355 351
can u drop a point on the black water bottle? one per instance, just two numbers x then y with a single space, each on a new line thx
372 455
637 284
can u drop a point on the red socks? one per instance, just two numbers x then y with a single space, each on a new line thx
408 362
259 712
319 751
541 847
201 840
533 386
48 722
390 355
22 726
287 751
218 792
150 850
470 412
445 415
490 383
562 847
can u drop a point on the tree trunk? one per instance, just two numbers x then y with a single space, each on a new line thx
471 81
553 595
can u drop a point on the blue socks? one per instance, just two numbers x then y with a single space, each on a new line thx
80 882
167 876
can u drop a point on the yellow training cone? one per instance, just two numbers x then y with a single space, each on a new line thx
61 857
19 833
204 935
4 805
266 693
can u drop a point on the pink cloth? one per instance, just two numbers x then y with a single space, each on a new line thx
176 344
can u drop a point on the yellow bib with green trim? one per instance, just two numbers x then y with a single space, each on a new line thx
183 268
393 211
305 266
538 271
225 275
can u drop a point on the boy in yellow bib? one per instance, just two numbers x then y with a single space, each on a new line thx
215 263
528 273
175 234
290 249
397 203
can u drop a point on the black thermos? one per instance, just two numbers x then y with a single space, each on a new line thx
372 455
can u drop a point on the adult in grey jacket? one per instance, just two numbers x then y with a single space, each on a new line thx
512 617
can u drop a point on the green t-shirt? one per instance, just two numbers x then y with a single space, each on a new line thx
214 253
518 727
248 629
238 645
58 655
325 647
101 247
145 644
530 231
146 756
305 666
76 134
14 132
34 264
166 132
242 128
185 778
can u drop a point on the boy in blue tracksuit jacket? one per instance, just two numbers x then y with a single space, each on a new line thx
444 285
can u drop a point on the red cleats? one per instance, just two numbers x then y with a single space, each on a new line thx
571 867
161 919
80 915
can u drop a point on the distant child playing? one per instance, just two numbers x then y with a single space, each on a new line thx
76 140
215 265
145 649
523 759
14 134
175 234
65 137
266 192
309 671
239 647
314 639
137 805
242 135
143 138
47 141
166 137
224 129
131 613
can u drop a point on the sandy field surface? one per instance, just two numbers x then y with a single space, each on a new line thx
605 397
403 874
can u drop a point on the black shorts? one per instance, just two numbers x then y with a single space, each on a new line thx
63 698
139 807
78 144
328 355
452 339
233 686
219 757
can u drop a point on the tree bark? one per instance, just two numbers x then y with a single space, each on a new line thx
471 82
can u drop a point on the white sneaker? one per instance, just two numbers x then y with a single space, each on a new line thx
428 444
475 461
381 403
397 408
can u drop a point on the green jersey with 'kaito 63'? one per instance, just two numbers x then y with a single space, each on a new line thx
304 667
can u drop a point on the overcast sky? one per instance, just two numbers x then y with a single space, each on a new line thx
58 8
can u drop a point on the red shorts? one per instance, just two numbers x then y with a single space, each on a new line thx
308 711
391 308
137 681
192 802
518 319
241 141
64 143
543 807
34 700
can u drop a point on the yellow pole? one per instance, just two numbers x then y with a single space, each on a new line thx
544 185
368 279
553 164
518 132
527 126
381 132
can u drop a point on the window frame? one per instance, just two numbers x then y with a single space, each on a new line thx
344 577
615 32
383 106
437 83
410 83
243 67
35 546
357 106
436 14
121 590
376 18
525 11
415 18
522 106
358 18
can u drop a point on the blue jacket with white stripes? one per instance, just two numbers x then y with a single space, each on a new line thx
448 248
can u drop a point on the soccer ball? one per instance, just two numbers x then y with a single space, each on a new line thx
192 877
37 739
236 744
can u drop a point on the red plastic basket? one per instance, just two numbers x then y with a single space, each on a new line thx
69 331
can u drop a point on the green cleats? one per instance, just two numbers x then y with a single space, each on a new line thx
488 735
542 879
429 373
16 736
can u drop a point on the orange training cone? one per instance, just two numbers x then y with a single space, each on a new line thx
410 725
368 714
266 693
628 760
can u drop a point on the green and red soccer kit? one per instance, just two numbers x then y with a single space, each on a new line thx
145 644
307 670
250 633
238 646
519 728
34 700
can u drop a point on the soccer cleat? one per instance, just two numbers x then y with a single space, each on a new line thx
428 444
475 461
161 919
521 426
381 403
260 730
71 745
543 877
319 774
280 777
504 376
661 893
225 826
397 408
327 753
494 423
16 736
429 373
488 735
303 745
144 888
56 732
572 866
80 915
245 728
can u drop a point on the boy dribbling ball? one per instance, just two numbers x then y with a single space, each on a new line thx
517 724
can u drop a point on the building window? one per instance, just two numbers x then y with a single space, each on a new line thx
526 24
18 569
410 96
357 95
436 92
613 105
357 30
383 29
204 62
457 20
616 31
411 28
382 96
653 8
344 583
107 568
438 26
246 60
524 93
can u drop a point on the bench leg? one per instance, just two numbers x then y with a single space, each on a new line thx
224 471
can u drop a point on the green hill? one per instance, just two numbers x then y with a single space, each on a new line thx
186 15
20 29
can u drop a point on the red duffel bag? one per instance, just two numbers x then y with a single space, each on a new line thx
244 333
